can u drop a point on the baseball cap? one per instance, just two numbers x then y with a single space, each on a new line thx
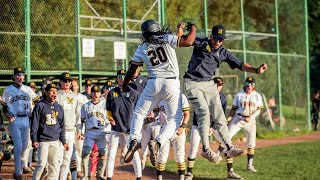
121 72
218 81
218 32
65 76
47 79
108 85
88 82
249 81
95 88
18 70
32 84
52 85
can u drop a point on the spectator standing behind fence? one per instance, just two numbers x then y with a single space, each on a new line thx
315 109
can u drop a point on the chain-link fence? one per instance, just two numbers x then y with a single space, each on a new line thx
57 29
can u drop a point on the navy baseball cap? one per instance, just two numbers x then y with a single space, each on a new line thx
108 85
65 76
88 82
250 81
18 70
218 32
121 72
32 84
95 88
49 86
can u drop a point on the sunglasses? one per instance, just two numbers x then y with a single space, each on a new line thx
217 39
249 84
120 76
66 80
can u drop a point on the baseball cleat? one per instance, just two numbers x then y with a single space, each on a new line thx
26 170
133 147
154 148
233 175
189 176
251 169
234 152
211 156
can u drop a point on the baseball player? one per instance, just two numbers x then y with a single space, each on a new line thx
87 88
94 115
76 159
246 107
195 137
105 90
19 99
158 53
48 132
120 106
71 107
208 54
177 141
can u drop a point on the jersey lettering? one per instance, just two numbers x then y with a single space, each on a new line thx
157 56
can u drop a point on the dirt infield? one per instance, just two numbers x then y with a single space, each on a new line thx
125 172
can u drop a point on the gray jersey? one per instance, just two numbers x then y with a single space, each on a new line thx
95 116
71 107
160 59
19 99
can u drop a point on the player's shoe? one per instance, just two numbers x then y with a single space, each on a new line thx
251 169
233 175
189 176
181 177
211 156
159 177
234 152
26 170
154 148
17 177
133 147
44 174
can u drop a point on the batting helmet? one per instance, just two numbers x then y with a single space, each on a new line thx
152 32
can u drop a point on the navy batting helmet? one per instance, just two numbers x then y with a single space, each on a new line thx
150 26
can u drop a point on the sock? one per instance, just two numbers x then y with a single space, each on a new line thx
160 168
229 164
190 164
181 168
220 149
250 156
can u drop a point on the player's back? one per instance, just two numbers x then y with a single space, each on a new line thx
160 59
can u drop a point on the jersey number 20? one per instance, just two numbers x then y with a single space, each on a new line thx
157 56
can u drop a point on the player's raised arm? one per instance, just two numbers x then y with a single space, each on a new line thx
129 74
248 68
188 39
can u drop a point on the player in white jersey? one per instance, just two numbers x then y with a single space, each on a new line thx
177 141
19 99
94 115
246 107
76 159
158 53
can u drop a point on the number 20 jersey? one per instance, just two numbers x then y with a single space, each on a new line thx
160 59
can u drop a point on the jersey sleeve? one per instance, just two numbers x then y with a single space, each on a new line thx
233 61
172 40
235 102
260 102
185 103
137 58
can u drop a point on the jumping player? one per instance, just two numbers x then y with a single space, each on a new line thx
202 93
94 115
157 51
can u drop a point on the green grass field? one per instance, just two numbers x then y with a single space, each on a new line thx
294 161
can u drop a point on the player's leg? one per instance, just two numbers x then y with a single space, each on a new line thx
146 137
26 156
193 150
43 152
196 96
102 146
73 163
160 163
64 169
78 146
53 157
113 146
250 130
85 154
147 101
15 132
25 137
178 144
136 161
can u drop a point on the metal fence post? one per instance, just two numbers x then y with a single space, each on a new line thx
27 39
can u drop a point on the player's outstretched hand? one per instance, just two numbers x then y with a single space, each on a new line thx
189 25
66 147
263 67
181 25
